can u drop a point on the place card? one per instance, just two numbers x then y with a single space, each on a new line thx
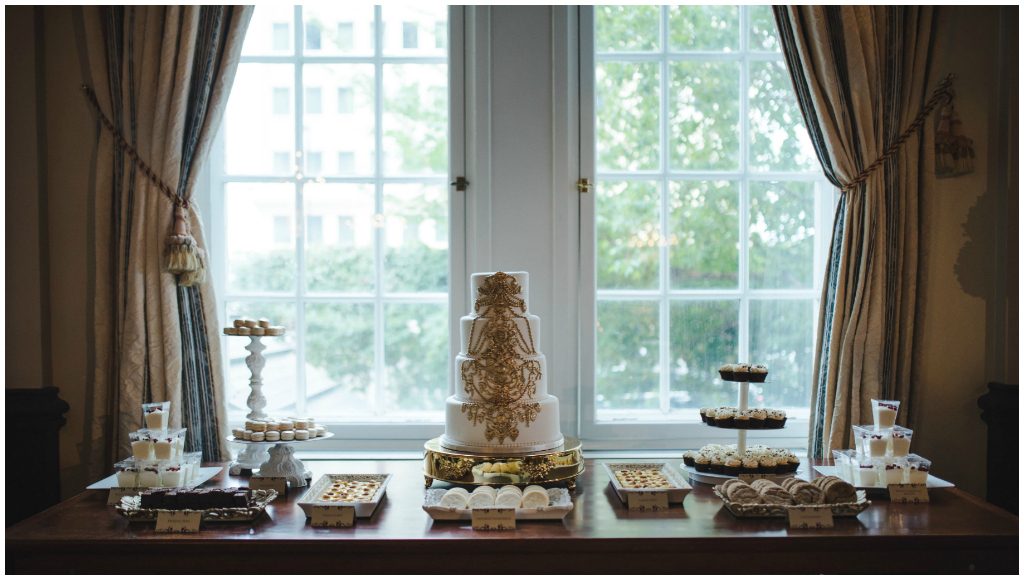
179 521
494 518
333 516
752 477
647 501
908 493
810 517
116 493
278 484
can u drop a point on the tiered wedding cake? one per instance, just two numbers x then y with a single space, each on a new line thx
500 401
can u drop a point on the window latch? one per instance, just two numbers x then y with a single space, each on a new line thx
583 185
460 183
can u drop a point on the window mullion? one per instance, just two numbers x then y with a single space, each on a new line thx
300 230
664 332
377 385
744 214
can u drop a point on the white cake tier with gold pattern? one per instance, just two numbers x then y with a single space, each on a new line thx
499 401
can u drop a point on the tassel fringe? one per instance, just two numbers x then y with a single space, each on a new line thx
184 256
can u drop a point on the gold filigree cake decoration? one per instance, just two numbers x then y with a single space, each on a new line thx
498 374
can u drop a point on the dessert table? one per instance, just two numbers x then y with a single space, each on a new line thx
956 532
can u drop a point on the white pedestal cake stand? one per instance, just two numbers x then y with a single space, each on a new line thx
279 459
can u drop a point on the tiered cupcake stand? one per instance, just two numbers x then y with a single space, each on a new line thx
271 458
741 441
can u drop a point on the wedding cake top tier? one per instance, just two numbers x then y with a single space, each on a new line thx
497 289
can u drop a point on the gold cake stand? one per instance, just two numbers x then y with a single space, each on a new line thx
560 465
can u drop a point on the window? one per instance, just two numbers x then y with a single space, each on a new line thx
346 101
282 36
410 35
708 214
313 100
368 319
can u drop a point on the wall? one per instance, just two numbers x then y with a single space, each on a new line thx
963 328
961 319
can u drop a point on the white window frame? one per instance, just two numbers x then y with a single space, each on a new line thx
634 430
403 434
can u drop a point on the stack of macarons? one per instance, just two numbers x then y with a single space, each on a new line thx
251 327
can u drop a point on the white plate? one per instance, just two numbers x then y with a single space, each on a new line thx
676 493
561 505
205 474
364 509
327 435
933 482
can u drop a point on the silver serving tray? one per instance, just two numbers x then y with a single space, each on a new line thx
129 508
561 505
364 509
762 510
932 483
676 494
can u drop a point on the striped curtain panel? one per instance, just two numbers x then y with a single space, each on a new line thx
860 74
162 75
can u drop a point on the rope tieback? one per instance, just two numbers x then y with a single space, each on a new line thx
184 256
942 94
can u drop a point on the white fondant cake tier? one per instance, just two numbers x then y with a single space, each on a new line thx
462 435
541 384
522 278
476 326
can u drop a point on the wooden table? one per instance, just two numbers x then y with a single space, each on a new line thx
955 532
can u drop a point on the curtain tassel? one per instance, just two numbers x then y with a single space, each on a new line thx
184 256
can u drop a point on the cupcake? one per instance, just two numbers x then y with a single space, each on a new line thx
688 458
726 372
702 463
749 465
704 415
718 464
768 464
758 373
742 373
712 416
724 417
776 419
758 418
732 466
741 420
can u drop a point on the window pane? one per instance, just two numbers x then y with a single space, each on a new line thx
627 108
331 132
339 360
704 115
626 28
704 28
314 163
346 101
627 355
704 335
344 28
763 34
416 356
782 338
409 29
416 238
314 100
270 31
416 119
343 260
255 96
704 220
778 138
628 234
257 261
279 376
781 234
312 36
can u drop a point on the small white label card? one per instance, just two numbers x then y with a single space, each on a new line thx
494 518
751 477
810 517
647 501
278 484
116 493
908 493
333 516
179 521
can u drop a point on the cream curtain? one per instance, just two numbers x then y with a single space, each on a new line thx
162 75
860 74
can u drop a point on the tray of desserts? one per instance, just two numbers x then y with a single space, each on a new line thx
734 418
868 477
654 476
764 498
362 491
233 504
270 430
531 503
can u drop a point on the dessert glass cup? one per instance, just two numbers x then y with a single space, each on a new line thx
884 413
899 443
892 472
866 474
843 463
917 469
167 446
172 475
142 445
871 442
127 473
155 415
149 474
